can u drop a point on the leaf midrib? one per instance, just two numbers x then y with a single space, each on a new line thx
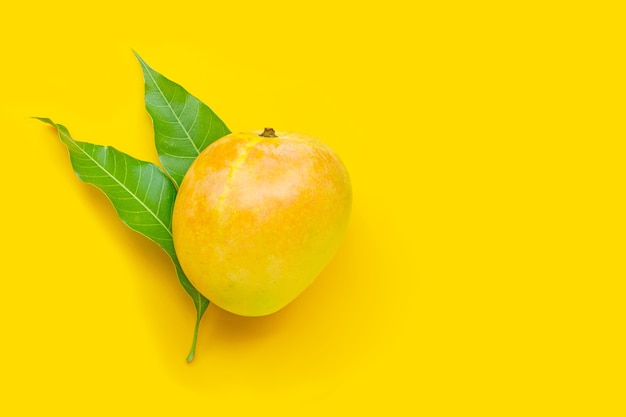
121 184
170 107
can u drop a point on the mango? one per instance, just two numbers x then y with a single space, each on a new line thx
257 218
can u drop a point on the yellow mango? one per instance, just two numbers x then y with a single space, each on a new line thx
258 217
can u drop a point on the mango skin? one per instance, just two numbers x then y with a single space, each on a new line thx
257 219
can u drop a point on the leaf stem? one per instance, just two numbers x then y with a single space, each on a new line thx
192 351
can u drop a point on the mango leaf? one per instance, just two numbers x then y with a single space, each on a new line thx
141 193
183 125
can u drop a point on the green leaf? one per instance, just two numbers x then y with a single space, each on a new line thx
183 125
141 193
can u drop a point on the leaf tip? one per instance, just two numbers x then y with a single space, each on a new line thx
143 63
41 119
45 120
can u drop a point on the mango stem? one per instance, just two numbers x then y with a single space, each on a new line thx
268 133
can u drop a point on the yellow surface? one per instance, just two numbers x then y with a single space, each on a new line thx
483 269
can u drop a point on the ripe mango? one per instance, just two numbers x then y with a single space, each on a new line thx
258 217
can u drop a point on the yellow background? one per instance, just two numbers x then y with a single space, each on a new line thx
483 269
